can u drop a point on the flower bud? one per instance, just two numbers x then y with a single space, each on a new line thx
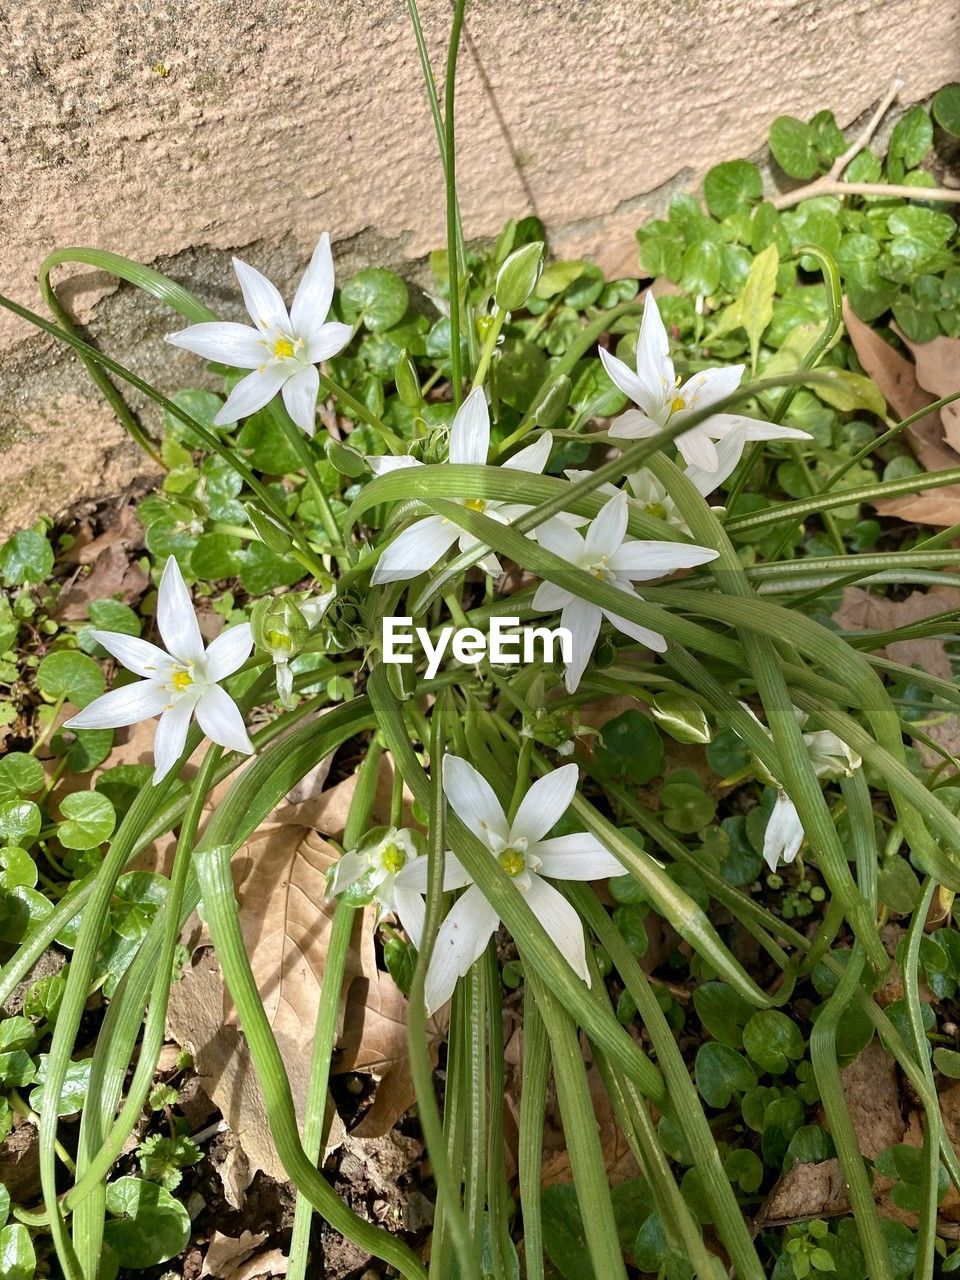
518 276
279 628
553 401
347 461
408 383
271 534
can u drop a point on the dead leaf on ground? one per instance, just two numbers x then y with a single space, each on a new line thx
226 1253
806 1191
897 380
107 568
862 610
938 371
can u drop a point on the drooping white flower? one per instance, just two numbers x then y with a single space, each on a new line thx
830 755
426 541
607 553
283 349
527 856
373 869
784 834
662 401
177 684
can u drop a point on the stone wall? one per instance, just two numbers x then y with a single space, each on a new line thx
177 133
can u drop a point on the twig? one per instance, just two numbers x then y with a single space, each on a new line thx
831 184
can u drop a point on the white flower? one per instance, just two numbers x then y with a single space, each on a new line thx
522 850
608 554
784 833
377 865
283 349
661 400
177 684
830 755
426 541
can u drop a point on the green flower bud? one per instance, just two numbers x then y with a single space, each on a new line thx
347 461
271 534
517 278
279 628
344 622
552 403
408 383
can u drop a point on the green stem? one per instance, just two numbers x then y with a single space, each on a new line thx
392 441
533 1105
450 182
489 346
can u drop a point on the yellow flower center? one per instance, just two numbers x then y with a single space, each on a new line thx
677 403
394 859
657 510
512 861
278 640
475 504
283 348
182 680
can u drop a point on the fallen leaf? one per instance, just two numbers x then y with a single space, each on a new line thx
938 371
897 380
225 1253
806 1191
872 1095
114 568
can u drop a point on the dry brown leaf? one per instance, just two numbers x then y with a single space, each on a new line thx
872 1095
806 1191
897 380
617 1156
862 610
938 371
226 1253
114 570
272 1263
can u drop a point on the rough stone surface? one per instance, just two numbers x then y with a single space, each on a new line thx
177 133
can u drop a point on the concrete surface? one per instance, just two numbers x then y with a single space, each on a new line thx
177 133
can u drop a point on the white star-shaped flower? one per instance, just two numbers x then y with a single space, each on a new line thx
662 401
606 552
374 867
176 684
527 856
283 349
426 541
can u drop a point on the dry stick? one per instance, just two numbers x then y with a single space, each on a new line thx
830 184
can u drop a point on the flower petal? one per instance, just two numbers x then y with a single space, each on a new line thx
314 292
644 560
582 620
654 366
300 398
261 298
461 940
577 857
784 833
548 596
220 719
710 385
238 345
414 874
534 457
561 539
385 463
561 922
139 656
607 530
348 871
329 341
698 450
415 550
129 704
633 425
643 635
253 392
171 737
623 377
228 652
730 448
473 800
470 432
544 804
721 425
176 617
410 909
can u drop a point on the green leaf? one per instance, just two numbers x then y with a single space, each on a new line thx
217 556
947 1062
700 268
262 570
162 1158
946 109
202 405
732 187
83 749
18 1261
772 1040
723 1012
18 868
26 557
848 391
70 675
376 296
20 775
521 368
630 748
113 615
266 447
912 137
563 1235
19 822
150 1227
578 283
17 1033
74 1092
90 820
794 147
720 1073
753 310
680 716
898 886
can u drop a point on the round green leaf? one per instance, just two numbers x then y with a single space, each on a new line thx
947 1062
85 749
946 109
18 1261
26 557
721 1072
19 822
732 187
377 296
20 775
773 1041
630 748
794 147
70 675
90 820
18 868
722 1011
150 1227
